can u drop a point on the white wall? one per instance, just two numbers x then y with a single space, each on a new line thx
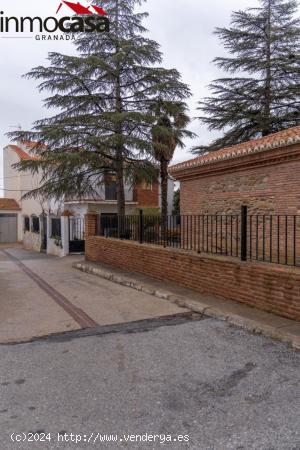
171 187
16 184
11 178
63 248
80 209
100 191
1 173
32 241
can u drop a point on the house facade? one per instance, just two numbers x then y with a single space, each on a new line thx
143 195
28 223
27 219
262 174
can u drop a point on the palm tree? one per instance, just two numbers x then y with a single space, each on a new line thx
168 132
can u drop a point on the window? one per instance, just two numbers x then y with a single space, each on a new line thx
35 224
26 224
147 185
110 187
56 227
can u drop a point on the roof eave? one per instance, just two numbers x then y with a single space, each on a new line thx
235 152
239 163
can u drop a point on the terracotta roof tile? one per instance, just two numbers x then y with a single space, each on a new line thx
281 139
32 144
22 154
9 204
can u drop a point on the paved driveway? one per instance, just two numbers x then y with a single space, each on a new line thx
40 295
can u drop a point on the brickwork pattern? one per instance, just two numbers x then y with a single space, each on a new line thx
146 197
265 286
90 225
271 187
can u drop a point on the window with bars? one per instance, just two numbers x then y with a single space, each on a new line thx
56 227
26 224
35 224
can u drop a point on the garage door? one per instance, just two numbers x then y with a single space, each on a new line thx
8 228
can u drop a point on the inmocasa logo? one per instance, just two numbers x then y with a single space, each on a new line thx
78 8
86 19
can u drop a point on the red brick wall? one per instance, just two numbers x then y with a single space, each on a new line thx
90 225
146 197
265 286
262 181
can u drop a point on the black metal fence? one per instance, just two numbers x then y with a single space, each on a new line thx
76 228
76 235
260 237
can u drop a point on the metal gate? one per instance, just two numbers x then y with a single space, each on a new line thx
76 235
8 228
44 233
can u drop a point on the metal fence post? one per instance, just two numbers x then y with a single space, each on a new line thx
141 226
244 214
119 226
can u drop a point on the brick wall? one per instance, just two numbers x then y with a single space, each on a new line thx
146 197
267 182
90 224
265 286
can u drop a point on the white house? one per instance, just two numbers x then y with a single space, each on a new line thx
27 224
143 195
27 220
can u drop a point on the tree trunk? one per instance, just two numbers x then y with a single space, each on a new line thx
164 197
119 147
266 126
120 186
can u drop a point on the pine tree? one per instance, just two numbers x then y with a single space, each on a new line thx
263 95
103 95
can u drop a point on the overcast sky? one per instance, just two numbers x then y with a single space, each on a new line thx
183 28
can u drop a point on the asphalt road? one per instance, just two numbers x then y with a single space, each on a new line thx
217 386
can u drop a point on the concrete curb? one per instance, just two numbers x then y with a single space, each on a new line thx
241 315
